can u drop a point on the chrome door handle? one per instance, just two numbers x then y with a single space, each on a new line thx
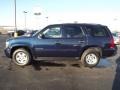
75 45
58 43
81 41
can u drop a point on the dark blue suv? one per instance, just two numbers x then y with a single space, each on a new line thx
85 42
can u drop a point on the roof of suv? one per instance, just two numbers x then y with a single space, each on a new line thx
86 24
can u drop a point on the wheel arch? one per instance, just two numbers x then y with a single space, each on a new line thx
97 48
22 46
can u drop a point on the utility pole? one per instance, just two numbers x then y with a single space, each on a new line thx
15 23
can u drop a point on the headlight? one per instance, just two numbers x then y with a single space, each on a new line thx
7 44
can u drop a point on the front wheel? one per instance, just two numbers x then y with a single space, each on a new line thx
21 57
90 58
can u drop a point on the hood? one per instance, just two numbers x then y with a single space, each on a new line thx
19 37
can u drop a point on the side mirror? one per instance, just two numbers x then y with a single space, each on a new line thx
41 36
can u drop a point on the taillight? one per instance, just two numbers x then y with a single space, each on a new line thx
112 45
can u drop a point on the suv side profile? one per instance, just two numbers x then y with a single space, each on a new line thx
84 42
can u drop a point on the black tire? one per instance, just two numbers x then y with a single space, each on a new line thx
21 55
90 62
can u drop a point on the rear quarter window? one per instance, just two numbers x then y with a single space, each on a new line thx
97 31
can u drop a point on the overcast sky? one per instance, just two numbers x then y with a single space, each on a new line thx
61 11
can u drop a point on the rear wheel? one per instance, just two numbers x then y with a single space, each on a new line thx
21 57
90 58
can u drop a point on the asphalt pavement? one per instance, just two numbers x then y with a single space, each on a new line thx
59 75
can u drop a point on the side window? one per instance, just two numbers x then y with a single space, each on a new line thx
52 32
72 32
97 31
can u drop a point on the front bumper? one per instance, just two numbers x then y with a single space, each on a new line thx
7 52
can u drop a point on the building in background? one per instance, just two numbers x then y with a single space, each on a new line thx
6 29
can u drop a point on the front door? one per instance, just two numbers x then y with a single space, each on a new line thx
49 43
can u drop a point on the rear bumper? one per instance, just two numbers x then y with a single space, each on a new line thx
109 52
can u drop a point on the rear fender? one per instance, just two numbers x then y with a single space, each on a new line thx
96 48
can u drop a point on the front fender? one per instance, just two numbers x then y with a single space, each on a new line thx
16 46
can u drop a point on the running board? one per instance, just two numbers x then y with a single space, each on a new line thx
56 58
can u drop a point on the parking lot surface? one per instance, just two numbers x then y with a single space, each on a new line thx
59 75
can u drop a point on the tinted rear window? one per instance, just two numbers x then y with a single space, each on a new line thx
72 32
97 31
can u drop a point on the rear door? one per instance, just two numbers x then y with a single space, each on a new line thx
73 40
